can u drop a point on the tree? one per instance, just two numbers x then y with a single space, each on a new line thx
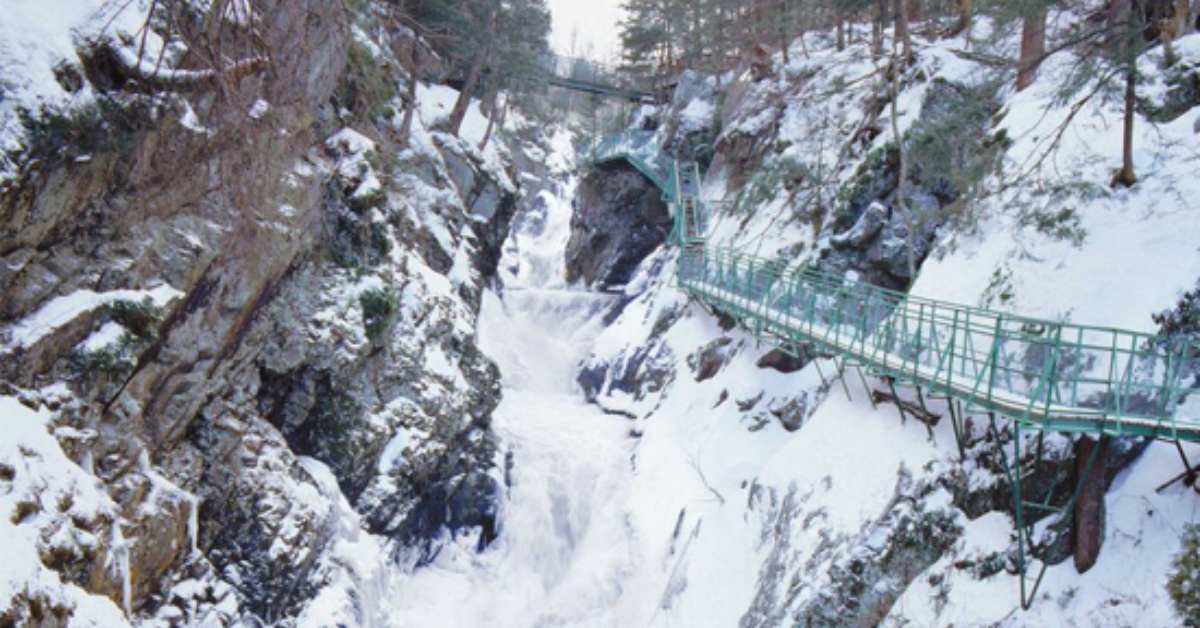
963 27
1129 47
483 48
491 44
901 10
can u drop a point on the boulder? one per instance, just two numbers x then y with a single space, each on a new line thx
620 218
782 361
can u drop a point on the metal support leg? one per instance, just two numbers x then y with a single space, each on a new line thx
866 388
1024 530
921 400
896 397
958 431
841 375
1188 476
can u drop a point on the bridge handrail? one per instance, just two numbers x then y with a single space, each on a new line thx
1144 371
1065 376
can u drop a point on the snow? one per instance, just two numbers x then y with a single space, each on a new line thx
353 165
1138 255
62 310
107 336
35 37
42 474
674 518
697 114
259 109
436 102
564 548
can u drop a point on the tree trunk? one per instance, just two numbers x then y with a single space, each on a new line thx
1088 523
1126 176
492 115
901 177
1174 27
877 33
783 38
1033 46
915 11
410 108
841 32
964 20
901 7
485 49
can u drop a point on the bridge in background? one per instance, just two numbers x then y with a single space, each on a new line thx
596 79
1040 375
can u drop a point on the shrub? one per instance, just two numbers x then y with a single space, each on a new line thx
379 307
1184 585
141 318
1184 319
368 83
107 125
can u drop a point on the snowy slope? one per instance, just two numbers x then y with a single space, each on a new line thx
793 507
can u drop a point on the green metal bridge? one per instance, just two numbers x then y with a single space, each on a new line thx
589 77
1040 375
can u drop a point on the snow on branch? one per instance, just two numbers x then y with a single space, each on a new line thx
164 79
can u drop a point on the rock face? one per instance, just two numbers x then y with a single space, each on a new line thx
253 329
947 149
620 218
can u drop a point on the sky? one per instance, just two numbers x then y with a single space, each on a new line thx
595 20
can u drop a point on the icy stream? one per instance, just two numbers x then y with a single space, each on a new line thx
565 545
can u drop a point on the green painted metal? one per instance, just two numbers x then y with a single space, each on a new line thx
1103 381
600 89
589 77
1048 375
1040 374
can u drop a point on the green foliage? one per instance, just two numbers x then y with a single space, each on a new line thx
781 173
379 307
106 125
1184 319
1184 584
950 141
368 84
513 49
363 203
115 361
853 197
140 318
1061 223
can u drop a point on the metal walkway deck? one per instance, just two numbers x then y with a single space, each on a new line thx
1043 375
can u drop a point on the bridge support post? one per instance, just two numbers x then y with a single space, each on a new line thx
1085 461
896 397
1088 522
921 400
841 375
959 428
1188 475
866 388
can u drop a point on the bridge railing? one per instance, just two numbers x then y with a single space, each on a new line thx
640 149
590 71
1070 375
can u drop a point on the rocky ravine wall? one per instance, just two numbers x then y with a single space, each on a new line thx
315 289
